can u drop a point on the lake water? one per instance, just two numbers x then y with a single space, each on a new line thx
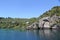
30 35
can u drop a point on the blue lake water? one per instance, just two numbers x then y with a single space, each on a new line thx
30 35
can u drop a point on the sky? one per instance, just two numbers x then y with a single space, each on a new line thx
26 8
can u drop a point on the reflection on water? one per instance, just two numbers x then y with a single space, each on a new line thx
30 35
45 34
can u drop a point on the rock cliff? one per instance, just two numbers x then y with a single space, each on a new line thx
46 23
50 19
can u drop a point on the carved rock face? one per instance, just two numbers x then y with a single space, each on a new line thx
46 25
45 22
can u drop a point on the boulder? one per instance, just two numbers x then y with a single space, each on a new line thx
33 26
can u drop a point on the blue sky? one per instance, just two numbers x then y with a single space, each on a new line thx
25 8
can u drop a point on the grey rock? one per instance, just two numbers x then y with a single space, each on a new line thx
33 26
46 22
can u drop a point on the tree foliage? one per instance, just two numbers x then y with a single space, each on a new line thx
54 10
20 23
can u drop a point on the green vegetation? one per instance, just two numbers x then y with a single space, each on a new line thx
22 23
15 23
54 10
